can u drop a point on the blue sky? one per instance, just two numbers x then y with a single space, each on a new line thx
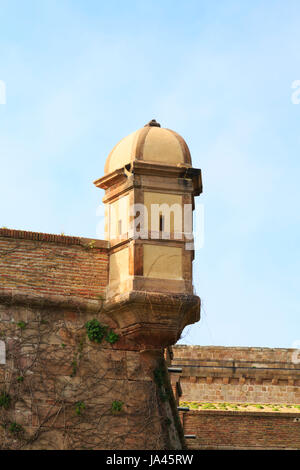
81 75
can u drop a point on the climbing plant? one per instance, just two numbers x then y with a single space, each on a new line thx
59 390
96 332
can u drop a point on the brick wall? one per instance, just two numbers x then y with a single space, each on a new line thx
239 430
221 353
253 375
62 386
52 265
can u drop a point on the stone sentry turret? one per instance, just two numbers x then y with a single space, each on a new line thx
150 187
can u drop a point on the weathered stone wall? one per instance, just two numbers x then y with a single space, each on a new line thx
223 374
239 430
59 389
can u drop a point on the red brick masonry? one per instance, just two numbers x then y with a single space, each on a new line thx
50 287
242 430
52 265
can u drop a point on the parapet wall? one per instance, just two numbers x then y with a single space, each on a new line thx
60 389
239 430
235 354
44 265
225 374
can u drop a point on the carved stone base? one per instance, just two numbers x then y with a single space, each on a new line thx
153 320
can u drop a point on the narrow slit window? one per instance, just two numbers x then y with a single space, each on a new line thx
161 223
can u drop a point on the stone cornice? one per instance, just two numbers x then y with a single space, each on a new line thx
152 319
152 169
74 303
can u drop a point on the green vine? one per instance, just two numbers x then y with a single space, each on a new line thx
111 337
16 428
96 332
74 368
79 407
116 406
5 400
168 422
166 394
160 378
77 357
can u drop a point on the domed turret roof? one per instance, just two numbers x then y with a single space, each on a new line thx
151 144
